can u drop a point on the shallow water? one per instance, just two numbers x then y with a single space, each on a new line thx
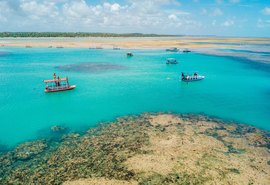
233 90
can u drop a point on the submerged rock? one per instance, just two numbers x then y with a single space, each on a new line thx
58 128
147 149
28 150
92 67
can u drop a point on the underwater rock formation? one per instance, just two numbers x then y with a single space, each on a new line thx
57 128
146 149
92 67
27 150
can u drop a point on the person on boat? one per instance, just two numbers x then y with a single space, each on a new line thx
58 81
183 76
195 75
54 77
67 81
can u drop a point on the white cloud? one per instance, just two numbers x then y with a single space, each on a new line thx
35 9
219 1
234 1
266 11
263 23
217 12
153 16
115 7
173 17
204 11
228 23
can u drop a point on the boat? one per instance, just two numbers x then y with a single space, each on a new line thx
58 84
116 48
186 50
171 61
129 54
191 78
172 49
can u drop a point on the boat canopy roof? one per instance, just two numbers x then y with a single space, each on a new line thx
171 59
56 80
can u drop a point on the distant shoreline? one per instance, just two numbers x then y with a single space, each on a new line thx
204 45
78 34
134 41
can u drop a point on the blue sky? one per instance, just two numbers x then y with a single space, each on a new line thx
189 17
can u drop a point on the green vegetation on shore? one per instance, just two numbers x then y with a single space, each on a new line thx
76 34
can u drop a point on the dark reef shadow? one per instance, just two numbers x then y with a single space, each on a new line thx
92 67
4 53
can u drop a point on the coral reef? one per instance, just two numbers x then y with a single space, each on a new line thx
146 149
57 128
27 150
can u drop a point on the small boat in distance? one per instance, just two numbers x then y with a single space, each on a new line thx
189 78
186 50
130 54
58 84
116 48
171 61
172 49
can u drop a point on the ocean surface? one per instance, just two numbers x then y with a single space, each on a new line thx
109 84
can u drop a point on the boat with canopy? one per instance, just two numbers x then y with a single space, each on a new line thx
58 84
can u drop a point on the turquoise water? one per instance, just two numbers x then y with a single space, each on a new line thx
233 90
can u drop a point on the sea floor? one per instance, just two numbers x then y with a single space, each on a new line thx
146 149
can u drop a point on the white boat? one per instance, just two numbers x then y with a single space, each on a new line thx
189 78
171 61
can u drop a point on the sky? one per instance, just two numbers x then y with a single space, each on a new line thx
181 17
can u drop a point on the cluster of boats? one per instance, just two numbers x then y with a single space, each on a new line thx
62 84
186 77
178 50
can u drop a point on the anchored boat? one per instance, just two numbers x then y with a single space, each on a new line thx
129 54
58 84
186 50
191 78
172 49
171 61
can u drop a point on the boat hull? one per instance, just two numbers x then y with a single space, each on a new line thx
171 62
193 79
60 89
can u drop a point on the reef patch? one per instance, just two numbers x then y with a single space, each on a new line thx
92 67
146 149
